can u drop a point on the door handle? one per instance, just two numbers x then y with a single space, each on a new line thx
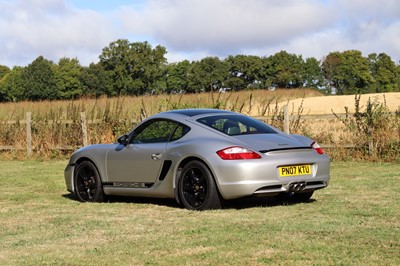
156 156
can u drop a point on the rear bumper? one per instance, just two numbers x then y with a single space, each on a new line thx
260 177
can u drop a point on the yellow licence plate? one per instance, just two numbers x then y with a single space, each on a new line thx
295 170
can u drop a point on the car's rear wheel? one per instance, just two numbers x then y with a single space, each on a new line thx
297 197
87 183
197 189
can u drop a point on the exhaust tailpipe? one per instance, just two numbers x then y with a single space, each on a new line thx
297 187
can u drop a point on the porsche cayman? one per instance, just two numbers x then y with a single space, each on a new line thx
200 157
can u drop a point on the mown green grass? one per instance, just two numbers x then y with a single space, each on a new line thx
355 221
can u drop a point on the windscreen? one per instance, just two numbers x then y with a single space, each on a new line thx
234 125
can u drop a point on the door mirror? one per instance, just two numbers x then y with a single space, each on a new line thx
123 140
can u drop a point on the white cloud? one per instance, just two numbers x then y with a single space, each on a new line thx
193 29
307 27
227 25
52 29
370 38
356 10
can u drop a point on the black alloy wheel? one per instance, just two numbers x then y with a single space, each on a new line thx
87 183
197 189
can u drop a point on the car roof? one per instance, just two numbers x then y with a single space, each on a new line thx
196 112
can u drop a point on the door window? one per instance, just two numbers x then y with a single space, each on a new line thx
154 131
158 131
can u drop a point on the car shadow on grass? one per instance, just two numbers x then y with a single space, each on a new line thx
143 200
238 204
135 200
257 202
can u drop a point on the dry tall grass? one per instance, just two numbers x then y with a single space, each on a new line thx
108 118
130 107
336 103
116 116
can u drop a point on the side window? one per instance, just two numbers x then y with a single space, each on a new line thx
155 131
181 130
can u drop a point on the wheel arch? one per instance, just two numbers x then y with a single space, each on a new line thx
79 161
182 164
82 159
92 183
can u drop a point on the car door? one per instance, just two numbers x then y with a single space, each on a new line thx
141 159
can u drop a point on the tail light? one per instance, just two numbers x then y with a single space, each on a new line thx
237 153
317 148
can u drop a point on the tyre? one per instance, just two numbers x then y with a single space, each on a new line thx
197 189
297 197
87 183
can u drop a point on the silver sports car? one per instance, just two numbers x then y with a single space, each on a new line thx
200 157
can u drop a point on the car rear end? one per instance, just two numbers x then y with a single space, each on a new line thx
291 169
255 159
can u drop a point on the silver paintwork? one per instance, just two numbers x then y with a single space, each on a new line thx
127 170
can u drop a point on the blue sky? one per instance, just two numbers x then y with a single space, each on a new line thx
194 29
106 5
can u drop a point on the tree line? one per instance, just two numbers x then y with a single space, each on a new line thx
137 68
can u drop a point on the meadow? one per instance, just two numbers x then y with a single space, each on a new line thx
354 221
58 123
57 131
254 102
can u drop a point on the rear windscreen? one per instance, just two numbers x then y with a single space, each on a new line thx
233 125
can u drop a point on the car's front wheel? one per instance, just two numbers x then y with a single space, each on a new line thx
87 183
197 189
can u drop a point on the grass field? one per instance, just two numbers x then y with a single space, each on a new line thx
336 103
131 107
355 221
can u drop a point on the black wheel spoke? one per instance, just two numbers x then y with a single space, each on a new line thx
87 183
195 187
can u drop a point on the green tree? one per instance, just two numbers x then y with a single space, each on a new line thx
40 81
115 58
398 77
155 69
136 67
312 76
68 72
330 68
285 70
96 81
12 86
244 71
384 72
178 76
208 74
3 71
348 72
267 72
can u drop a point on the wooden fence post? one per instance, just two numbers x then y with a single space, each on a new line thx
84 129
286 119
28 134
